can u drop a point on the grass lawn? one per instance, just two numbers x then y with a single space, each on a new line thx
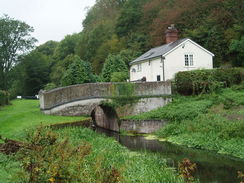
24 114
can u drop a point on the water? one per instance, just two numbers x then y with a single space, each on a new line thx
211 167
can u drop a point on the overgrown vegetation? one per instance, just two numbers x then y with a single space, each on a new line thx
180 109
207 81
187 170
210 121
81 155
122 94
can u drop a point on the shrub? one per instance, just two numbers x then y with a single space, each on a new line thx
50 86
206 81
78 72
113 63
47 157
4 98
119 76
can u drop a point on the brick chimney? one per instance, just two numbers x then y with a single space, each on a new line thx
171 34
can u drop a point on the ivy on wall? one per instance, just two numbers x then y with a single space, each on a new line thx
122 94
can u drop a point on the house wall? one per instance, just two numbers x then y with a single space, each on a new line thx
173 63
175 60
149 69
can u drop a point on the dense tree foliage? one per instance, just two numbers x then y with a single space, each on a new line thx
114 63
35 72
14 40
140 25
120 30
77 73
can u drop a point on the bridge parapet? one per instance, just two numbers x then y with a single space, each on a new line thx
60 96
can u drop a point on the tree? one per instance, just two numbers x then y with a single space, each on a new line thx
129 18
237 50
35 70
128 55
112 46
113 63
15 39
66 46
78 72
60 67
47 48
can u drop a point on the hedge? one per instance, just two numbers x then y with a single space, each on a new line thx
206 81
4 98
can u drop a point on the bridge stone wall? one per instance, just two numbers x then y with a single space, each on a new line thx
81 99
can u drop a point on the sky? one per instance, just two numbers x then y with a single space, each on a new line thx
51 19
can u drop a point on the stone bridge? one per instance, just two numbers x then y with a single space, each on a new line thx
87 99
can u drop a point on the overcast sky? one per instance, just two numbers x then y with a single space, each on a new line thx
51 19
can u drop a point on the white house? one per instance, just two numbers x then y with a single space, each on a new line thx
163 62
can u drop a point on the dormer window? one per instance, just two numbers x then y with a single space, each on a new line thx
189 60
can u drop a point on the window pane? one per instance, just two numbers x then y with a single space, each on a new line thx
186 60
191 60
138 67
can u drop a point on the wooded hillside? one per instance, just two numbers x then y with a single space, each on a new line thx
122 30
137 25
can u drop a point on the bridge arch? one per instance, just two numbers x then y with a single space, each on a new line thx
105 117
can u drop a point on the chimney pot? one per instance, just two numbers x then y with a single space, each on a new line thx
171 34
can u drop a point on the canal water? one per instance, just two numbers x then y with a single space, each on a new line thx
211 167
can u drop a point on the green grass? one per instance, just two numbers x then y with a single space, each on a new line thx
209 131
188 108
105 153
9 166
24 114
19 118
211 121
219 127
179 110
135 167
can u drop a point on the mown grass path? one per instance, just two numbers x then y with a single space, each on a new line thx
25 114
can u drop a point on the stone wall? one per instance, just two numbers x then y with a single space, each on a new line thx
142 126
61 96
143 105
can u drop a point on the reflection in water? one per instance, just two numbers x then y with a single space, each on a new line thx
211 167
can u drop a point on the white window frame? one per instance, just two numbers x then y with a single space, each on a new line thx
138 67
189 59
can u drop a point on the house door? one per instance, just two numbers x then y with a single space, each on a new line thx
158 78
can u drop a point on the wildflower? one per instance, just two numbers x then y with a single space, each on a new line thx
52 180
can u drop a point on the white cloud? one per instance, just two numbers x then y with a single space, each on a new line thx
51 19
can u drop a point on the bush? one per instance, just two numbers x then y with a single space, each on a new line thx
49 158
78 72
50 86
119 76
4 98
113 63
207 81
